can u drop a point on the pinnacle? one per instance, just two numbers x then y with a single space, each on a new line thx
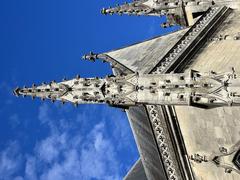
134 8
16 91
103 11
78 76
91 56
76 90
43 91
149 8
75 104
115 90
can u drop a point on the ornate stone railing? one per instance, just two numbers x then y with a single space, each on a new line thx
190 40
163 138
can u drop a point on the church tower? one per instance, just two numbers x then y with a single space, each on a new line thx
196 140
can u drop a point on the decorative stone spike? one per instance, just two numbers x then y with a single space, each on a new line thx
75 104
91 56
173 10
78 77
127 90
103 11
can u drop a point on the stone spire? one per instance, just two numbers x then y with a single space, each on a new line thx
173 10
135 8
189 89
82 91
78 90
184 13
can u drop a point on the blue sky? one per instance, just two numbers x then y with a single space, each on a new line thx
43 41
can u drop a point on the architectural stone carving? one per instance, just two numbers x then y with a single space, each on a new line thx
193 89
149 85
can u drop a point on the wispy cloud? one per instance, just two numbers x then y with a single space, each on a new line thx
77 147
48 149
10 161
98 158
94 158
30 168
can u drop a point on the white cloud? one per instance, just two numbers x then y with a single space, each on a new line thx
43 114
98 158
10 161
66 154
30 168
63 155
69 168
49 148
94 158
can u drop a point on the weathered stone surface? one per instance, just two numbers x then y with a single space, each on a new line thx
146 143
184 13
211 136
142 57
136 172
205 131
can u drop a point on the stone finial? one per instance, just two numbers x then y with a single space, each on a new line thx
134 8
91 56
198 158
16 92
